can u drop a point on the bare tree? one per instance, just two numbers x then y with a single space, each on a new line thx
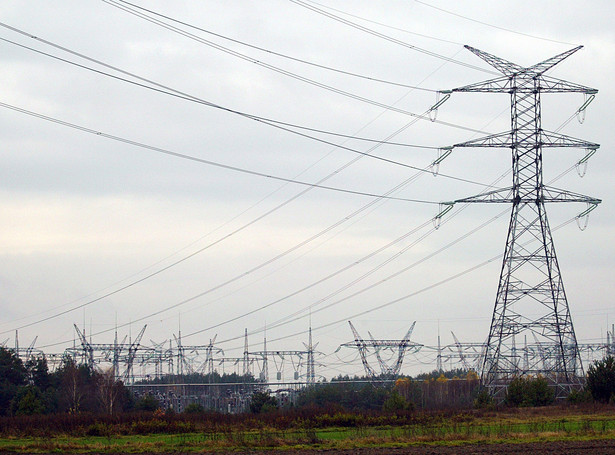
108 390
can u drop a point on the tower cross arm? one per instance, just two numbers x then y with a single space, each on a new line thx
498 85
493 140
547 139
503 66
551 194
551 139
550 84
502 195
546 65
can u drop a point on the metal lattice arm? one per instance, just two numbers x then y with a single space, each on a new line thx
553 85
493 140
503 66
547 139
549 194
497 85
546 65
556 195
550 139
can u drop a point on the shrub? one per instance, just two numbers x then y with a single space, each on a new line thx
601 379
28 401
194 408
580 396
515 393
98 429
147 403
539 393
484 400
528 391
262 402
395 402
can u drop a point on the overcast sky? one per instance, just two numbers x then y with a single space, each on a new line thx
86 219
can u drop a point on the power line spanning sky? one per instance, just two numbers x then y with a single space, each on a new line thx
127 135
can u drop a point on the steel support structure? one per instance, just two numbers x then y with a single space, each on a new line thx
367 347
114 354
530 298
310 375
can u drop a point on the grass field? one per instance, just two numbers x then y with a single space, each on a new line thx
529 425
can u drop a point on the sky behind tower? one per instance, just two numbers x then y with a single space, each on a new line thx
156 169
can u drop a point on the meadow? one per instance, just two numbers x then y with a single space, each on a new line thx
303 430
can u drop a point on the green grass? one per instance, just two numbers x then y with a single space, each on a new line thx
452 430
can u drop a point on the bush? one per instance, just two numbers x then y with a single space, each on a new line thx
540 394
515 393
262 402
147 403
98 429
580 396
395 402
484 400
601 379
345 396
194 408
28 401
528 391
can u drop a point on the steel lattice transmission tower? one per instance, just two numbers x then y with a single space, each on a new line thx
388 371
530 298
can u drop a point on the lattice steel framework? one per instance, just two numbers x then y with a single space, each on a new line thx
530 297
366 348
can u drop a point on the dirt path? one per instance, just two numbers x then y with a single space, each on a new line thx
598 447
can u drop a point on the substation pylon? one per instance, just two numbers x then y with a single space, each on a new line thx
530 297
366 347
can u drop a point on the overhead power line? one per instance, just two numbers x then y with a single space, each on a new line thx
108 294
384 305
120 4
255 220
271 67
387 37
422 35
491 25
237 277
279 206
193 254
178 155
213 163
160 88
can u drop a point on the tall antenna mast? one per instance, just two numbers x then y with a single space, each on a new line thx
310 376
246 355
530 296
265 371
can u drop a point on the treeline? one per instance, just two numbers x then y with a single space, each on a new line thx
435 390
30 388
